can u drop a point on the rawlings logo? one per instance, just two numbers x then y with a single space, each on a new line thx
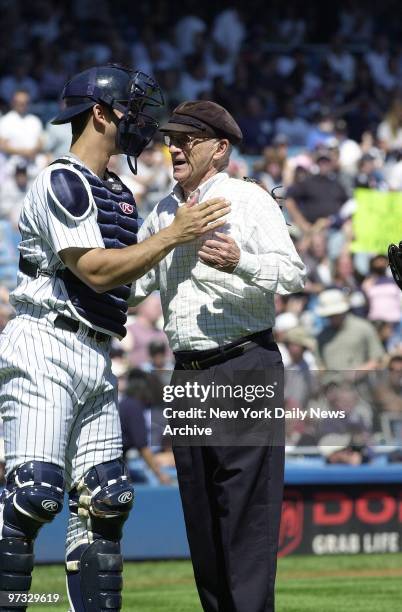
127 208
125 498
50 505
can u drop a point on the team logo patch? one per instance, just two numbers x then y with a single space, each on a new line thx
127 208
50 505
125 498
291 531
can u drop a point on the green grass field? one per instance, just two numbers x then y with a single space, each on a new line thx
369 583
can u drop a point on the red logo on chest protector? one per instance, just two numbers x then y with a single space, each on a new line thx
127 208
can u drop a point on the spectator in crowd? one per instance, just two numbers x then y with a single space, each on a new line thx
219 63
349 150
386 334
229 29
321 133
302 82
298 379
57 139
12 193
355 22
338 392
395 172
18 80
21 133
187 28
339 449
341 62
159 359
256 126
52 77
347 341
292 26
390 129
195 80
387 386
377 59
344 273
283 323
368 174
268 171
317 262
291 125
140 395
384 296
145 329
319 196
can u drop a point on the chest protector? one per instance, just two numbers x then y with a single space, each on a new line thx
117 219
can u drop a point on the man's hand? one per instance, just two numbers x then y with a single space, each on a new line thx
192 221
222 254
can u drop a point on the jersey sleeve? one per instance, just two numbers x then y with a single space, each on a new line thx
67 211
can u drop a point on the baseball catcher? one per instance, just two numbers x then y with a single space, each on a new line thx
79 256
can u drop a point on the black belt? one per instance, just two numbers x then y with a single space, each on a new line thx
201 360
68 324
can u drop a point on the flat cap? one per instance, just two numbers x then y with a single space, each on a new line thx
204 117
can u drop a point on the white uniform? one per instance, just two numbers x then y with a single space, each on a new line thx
57 391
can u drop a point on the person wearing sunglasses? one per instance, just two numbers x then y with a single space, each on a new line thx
217 296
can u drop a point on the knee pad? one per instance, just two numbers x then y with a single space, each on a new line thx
103 499
33 496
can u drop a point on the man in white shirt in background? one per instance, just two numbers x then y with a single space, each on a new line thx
218 304
21 133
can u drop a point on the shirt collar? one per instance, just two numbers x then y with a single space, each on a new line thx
201 189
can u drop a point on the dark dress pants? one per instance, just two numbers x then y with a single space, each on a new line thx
232 498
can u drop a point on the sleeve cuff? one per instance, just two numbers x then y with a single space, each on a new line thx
252 266
247 266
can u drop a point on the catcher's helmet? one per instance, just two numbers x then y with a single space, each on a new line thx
125 90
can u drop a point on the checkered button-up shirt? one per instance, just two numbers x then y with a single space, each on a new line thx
203 307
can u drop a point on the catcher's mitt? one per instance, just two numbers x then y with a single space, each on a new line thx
395 262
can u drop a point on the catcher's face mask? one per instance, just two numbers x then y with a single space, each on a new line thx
134 94
137 126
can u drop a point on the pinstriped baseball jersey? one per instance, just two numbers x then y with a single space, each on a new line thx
57 390
46 230
57 396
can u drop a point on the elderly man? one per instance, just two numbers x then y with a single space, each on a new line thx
218 305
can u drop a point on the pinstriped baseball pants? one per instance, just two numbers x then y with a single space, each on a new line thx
57 397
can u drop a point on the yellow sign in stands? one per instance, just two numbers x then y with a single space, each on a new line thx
377 220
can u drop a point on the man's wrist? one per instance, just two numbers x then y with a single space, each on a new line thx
170 235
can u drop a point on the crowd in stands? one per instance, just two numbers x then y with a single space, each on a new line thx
317 92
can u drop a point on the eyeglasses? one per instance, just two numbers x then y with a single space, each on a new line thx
183 141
